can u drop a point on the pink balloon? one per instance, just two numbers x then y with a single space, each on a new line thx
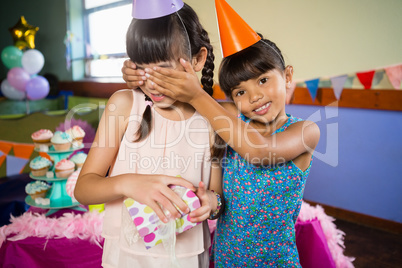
37 88
18 78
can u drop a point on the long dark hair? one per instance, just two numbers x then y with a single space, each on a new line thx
165 39
248 64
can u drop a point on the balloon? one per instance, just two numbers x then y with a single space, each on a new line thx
32 61
23 34
10 92
18 78
37 88
11 57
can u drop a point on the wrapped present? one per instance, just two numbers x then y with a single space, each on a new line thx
148 224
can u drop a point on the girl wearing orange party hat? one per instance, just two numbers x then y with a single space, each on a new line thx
145 140
269 152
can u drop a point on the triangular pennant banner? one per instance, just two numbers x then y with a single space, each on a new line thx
45 155
312 86
15 165
349 81
5 146
378 77
394 74
23 150
289 92
366 78
337 84
2 157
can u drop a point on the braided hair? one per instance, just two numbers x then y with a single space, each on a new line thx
167 39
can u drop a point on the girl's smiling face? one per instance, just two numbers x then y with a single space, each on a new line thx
262 99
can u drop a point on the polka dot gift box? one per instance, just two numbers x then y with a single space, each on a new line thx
146 220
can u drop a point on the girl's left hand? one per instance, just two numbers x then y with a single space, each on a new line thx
206 199
131 75
183 86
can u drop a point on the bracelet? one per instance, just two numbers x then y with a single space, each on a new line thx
216 213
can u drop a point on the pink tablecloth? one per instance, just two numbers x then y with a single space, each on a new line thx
312 245
39 252
57 251
83 248
318 241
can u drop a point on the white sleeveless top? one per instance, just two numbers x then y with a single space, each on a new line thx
171 148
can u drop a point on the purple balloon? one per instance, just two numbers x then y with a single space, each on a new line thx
37 88
18 78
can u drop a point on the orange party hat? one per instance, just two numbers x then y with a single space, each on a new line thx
235 33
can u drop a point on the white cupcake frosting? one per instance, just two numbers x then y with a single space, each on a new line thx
36 186
60 137
39 162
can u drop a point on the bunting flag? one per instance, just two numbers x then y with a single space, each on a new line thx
5 147
337 84
394 74
23 150
15 165
15 155
45 155
366 78
378 77
349 81
312 86
2 157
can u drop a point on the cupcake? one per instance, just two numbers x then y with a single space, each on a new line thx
77 134
64 168
37 189
41 139
79 159
61 141
40 166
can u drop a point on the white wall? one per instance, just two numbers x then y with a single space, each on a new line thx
320 37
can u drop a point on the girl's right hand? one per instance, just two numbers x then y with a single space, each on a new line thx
153 190
180 85
131 75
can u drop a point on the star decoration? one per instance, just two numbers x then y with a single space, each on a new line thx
23 34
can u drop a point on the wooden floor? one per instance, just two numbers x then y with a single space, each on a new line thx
371 247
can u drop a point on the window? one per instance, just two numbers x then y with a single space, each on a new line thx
103 44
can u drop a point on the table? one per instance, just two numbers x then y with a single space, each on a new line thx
38 252
57 251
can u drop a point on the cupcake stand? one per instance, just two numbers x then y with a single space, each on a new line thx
57 194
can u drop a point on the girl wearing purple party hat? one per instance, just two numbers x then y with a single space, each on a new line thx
269 152
146 139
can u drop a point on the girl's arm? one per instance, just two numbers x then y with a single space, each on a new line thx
299 139
93 187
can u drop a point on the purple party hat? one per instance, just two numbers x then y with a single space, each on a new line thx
150 9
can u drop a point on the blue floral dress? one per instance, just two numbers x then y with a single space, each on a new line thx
262 205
